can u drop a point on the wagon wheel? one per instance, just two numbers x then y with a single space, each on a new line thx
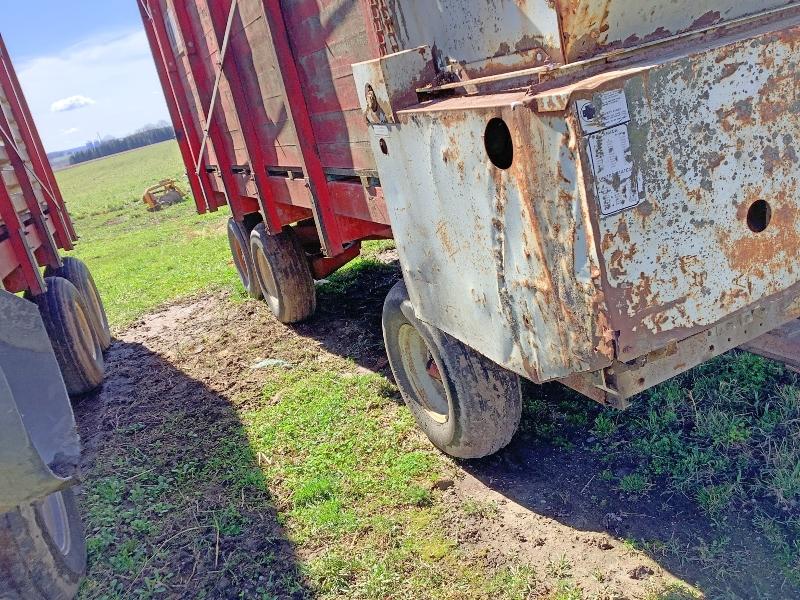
283 273
239 242
77 273
67 320
467 405
44 549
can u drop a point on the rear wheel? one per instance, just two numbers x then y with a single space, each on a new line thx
67 319
239 242
467 405
42 549
77 273
283 273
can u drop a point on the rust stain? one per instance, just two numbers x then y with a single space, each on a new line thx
712 17
583 27
444 237
739 115
729 69
757 253
777 97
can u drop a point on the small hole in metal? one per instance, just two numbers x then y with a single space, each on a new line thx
499 147
759 215
711 348
641 381
384 147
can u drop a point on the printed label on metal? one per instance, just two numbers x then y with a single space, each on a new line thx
612 165
380 129
604 110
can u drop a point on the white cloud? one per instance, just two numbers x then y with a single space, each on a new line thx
71 103
71 131
113 73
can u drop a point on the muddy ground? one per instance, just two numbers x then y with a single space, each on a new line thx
550 508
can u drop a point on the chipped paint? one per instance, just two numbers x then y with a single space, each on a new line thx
593 27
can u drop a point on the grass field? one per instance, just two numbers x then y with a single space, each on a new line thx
140 259
353 487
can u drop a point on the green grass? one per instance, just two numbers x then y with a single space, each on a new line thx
141 260
725 436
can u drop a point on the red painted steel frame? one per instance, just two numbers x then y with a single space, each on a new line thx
343 211
32 238
185 132
216 124
219 10
47 250
324 214
64 232
169 63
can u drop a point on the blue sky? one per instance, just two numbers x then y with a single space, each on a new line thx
85 67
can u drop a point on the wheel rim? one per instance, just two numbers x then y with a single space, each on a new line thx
55 521
86 331
267 281
423 370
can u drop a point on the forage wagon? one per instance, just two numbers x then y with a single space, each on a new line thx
597 192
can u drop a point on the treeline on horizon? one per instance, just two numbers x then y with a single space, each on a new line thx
111 145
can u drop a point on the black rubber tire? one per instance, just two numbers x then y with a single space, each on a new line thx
77 273
36 564
66 318
283 273
239 242
474 409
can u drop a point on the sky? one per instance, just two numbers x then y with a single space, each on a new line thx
85 68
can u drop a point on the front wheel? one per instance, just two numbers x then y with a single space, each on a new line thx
467 405
42 549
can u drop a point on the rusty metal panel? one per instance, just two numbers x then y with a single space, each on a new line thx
592 27
504 260
712 163
482 37
642 206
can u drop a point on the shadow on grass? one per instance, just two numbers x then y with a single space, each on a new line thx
176 504
349 307
559 468
569 476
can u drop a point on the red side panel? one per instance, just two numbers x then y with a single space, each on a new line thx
327 37
34 221
264 91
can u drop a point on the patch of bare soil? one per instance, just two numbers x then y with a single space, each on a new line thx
531 504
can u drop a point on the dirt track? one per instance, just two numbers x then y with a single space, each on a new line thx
548 506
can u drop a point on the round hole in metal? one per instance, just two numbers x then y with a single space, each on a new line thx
758 216
384 147
498 143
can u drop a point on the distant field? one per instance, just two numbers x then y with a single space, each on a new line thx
140 259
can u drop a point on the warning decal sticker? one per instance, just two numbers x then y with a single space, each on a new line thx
612 165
